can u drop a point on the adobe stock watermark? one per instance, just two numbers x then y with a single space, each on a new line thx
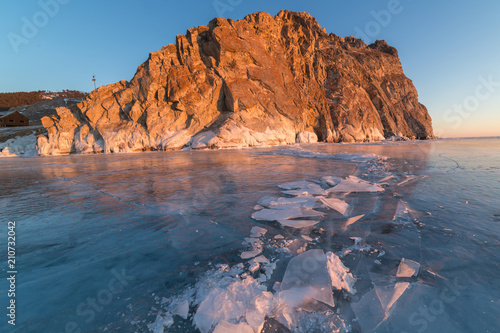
381 19
31 26
223 6
93 305
429 313
458 112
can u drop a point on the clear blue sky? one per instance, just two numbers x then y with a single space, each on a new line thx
449 48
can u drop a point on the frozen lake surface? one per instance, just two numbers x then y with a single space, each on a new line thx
388 237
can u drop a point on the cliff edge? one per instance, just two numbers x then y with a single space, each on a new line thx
259 81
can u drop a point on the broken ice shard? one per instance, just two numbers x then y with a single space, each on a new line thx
307 275
354 184
336 204
257 232
352 220
408 268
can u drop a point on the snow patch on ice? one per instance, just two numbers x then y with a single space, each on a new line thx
339 274
19 146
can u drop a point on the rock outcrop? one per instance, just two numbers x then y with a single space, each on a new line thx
259 81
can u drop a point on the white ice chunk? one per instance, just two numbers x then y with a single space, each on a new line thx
257 232
336 204
257 207
401 210
255 243
408 268
352 220
339 274
250 254
225 327
261 259
307 275
355 184
267 201
254 266
228 304
182 309
279 237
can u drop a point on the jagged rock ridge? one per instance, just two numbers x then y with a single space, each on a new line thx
259 81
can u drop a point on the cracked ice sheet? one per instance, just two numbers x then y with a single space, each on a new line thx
375 307
354 185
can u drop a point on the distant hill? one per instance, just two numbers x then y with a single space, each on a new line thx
8 100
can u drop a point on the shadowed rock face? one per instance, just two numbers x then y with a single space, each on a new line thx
259 81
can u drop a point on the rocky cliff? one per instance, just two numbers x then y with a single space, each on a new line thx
259 81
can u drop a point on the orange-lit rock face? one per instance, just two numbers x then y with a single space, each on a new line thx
259 81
